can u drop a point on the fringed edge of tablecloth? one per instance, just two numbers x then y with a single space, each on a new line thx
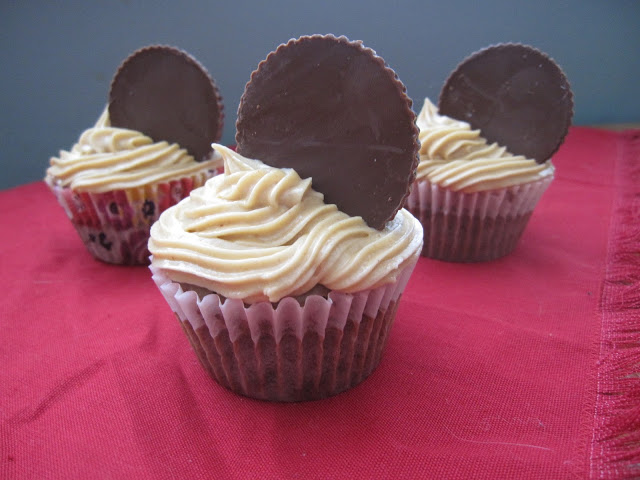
615 446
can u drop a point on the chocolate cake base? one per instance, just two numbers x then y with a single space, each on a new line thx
474 226
294 369
300 348
466 238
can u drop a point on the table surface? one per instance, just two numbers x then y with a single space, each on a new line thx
518 368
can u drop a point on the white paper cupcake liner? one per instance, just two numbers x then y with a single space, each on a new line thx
114 225
287 352
473 227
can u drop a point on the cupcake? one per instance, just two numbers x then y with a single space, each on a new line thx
150 147
485 154
287 290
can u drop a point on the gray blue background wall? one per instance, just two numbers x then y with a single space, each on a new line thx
57 58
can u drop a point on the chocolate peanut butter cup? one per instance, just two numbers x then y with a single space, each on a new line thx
331 109
515 95
168 95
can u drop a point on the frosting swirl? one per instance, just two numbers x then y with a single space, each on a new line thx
261 233
108 158
454 156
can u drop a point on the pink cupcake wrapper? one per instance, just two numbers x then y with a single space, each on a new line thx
114 225
287 352
471 227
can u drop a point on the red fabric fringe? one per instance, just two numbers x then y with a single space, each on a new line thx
615 448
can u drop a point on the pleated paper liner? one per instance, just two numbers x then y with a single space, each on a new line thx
473 227
286 351
114 225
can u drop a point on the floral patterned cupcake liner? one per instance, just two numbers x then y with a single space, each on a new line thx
114 225
287 351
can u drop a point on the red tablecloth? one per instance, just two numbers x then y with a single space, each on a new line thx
519 368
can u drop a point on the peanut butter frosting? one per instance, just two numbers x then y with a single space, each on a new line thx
261 233
456 157
107 158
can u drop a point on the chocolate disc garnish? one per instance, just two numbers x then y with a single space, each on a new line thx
515 95
332 110
166 94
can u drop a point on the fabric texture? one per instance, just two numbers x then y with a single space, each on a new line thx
525 367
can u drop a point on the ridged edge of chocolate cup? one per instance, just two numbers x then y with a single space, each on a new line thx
195 62
402 92
536 51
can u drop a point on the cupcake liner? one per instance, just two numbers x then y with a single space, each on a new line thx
287 351
114 225
473 227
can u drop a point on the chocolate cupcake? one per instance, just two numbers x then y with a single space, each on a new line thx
150 147
485 155
286 287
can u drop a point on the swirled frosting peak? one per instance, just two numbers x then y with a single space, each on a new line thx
108 158
454 156
260 233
